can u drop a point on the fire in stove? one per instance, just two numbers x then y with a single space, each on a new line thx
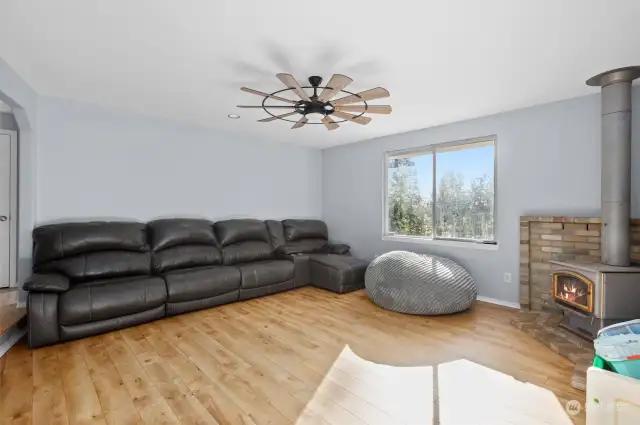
571 292
573 289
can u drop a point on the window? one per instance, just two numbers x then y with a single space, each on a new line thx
444 191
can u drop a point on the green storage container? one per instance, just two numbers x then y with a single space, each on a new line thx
618 349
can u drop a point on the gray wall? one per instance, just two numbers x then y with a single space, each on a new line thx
8 122
15 92
548 163
101 163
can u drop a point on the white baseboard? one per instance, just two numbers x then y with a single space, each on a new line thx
499 302
9 339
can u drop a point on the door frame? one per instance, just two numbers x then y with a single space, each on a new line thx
13 210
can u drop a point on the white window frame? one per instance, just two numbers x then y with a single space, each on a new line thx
435 240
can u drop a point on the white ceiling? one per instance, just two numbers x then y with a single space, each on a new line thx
442 61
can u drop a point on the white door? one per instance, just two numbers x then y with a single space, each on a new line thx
5 208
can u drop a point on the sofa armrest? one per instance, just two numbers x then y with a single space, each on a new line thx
338 248
50 282
42 319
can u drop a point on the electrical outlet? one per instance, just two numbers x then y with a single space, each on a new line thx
507 278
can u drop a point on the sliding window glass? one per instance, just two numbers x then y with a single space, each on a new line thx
444 191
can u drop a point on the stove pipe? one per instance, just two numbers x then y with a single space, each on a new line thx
616 162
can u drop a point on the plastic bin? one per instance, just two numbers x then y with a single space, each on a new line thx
618 349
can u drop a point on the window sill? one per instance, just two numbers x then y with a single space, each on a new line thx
441 242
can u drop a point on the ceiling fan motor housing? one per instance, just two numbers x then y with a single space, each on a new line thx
314 107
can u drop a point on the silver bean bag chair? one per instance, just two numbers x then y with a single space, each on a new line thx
412 283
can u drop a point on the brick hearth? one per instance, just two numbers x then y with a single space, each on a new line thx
543 326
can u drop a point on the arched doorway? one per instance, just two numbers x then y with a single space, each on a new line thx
8 196
23 101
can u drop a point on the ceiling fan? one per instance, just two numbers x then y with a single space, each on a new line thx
322 106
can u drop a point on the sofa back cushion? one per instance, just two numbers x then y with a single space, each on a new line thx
305 235
93 250
276 234
243 240
180 243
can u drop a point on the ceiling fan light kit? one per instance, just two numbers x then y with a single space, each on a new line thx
321 106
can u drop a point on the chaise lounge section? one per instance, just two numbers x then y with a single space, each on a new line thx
97 277
328 265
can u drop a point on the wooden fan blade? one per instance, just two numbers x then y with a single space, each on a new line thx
370 109
265 106
259 93
354 118
277 117
300 123
333 87
292 83
329 123
373 94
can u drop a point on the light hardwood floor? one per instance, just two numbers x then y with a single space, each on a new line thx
304 357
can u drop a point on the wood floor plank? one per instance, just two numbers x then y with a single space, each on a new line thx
240 347
116 402
83 406
183 404
295 360
279 373
49 402
242 393
151 405
211 396
3 361
271 382
283 330
16 393
304 357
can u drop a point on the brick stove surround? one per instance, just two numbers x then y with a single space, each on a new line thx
554 238
546 238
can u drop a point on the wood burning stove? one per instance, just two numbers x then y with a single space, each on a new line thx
595 295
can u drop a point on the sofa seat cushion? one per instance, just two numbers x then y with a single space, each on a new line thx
337 273
265 273
202 282
106 299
